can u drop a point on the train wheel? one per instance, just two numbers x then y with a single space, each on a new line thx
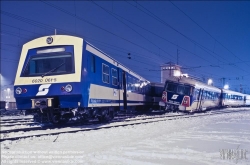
56 119
37 118
84 118
106 116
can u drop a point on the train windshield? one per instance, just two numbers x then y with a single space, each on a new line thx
49 64
178 88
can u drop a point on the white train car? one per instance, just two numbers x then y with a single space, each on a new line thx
247 100
232 98
187 94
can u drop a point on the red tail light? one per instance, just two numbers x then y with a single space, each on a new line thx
186 101
164 96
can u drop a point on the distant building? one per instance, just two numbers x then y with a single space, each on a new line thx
169 70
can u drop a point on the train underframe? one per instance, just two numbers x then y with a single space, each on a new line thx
45 114
63 115
48 110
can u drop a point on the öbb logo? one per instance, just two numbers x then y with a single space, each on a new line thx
43 90
174 97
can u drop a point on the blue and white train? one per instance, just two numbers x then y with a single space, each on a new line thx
62 76
189 95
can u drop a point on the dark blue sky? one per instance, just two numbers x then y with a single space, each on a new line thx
212 37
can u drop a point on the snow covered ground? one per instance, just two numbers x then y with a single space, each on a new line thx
199 140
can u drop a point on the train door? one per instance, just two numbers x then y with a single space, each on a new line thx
200 98
124 83
122 90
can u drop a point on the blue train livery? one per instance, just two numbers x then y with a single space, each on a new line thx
60 76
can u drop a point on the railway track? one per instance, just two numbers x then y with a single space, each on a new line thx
91 122
15 121
29 122
26 123
72 128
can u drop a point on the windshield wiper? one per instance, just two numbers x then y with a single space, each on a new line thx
52 70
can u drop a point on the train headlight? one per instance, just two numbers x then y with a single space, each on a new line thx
19 90
68 88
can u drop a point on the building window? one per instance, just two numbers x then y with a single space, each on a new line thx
114 77
93 63
105 73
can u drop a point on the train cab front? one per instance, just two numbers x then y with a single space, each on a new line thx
49 101
49 75
176 97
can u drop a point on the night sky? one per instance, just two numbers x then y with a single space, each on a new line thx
211 38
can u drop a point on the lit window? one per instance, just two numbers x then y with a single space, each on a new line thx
114 77
105 73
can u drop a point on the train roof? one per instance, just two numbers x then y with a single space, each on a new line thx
101 54
97 52
157 84
232 92
194 83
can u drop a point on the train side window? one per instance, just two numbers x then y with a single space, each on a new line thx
114 77
205 95
209 95
196 91
133 84
121 79
129 83
105 73
138 85
93 63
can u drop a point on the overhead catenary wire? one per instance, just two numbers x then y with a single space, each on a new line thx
171 27
31 21
133 29
114 15
70 32
216 41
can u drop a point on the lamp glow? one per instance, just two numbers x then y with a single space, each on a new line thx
210 81
226 86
